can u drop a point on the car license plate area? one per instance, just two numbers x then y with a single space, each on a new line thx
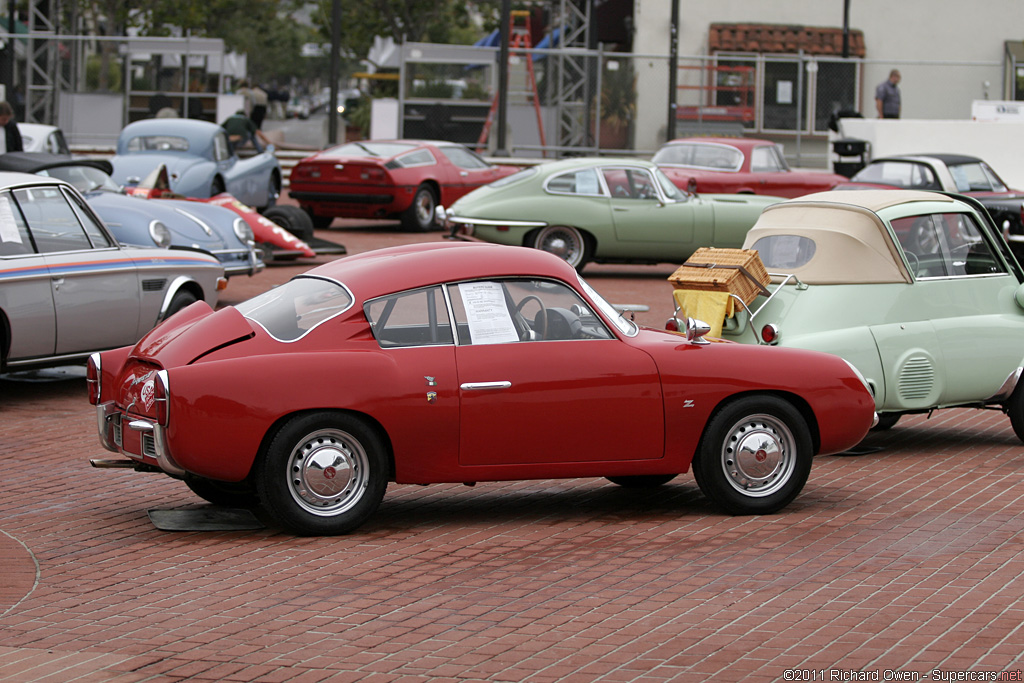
115 426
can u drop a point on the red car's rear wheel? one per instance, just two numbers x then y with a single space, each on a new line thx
324 473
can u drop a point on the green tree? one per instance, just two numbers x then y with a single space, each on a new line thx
432 21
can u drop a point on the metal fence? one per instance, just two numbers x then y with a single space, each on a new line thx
620 103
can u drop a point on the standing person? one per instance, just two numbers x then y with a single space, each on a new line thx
11 139
259 105
887 97
246 93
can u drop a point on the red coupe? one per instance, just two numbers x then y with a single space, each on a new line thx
459 363
738 166
404 179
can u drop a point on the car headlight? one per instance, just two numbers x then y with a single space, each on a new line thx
160 234
242 230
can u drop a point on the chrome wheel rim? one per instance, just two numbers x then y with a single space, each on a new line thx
565 243
327 472
758 455
424 207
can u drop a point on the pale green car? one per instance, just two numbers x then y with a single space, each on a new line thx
602 210
918 290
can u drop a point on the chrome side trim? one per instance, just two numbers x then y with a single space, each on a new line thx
1006 391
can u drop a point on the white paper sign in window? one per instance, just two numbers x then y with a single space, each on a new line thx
487 313
8 226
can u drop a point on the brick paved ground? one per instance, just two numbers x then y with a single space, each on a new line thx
906 559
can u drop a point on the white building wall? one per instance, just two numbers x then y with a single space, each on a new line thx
915 36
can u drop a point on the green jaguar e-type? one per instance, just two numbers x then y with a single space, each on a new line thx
603 210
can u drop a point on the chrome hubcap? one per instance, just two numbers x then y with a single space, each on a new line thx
562 244
425 207
327 472
758 456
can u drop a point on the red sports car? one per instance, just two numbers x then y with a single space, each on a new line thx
738 165
404 179
459 363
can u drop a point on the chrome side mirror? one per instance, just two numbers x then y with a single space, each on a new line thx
695 330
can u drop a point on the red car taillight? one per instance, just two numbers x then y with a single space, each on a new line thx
160 396
376 174
770 333
92 378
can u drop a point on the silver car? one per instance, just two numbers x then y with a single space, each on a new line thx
67 288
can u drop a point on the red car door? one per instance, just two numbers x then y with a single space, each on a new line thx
570 393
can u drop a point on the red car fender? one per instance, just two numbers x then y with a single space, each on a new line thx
231 400
841 407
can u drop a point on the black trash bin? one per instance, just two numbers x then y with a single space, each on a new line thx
851 155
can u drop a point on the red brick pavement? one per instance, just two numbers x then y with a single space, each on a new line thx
907 559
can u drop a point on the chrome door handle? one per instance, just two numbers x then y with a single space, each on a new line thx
482 386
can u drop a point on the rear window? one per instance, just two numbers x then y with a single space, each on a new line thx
784 252
377 150
158 143
292 310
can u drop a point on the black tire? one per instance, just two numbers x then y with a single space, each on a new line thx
886 421
565 242
642 481
419 217
319 222
1015 409
223 493
337 454
755 456
293 219
181 300
216 187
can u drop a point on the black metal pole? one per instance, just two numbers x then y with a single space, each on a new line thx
335 71
12 64
673 70
506 19
846 29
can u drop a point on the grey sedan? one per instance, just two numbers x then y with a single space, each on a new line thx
67 288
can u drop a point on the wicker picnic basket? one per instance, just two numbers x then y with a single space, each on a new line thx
737 271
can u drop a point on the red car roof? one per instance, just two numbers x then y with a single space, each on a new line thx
383 271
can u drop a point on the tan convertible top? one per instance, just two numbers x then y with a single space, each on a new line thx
852 244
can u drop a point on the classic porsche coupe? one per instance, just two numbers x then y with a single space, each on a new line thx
602 210
918 290
445 362
180 223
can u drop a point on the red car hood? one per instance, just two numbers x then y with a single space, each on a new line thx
191 334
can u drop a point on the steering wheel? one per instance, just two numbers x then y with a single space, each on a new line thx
542 316
915 262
